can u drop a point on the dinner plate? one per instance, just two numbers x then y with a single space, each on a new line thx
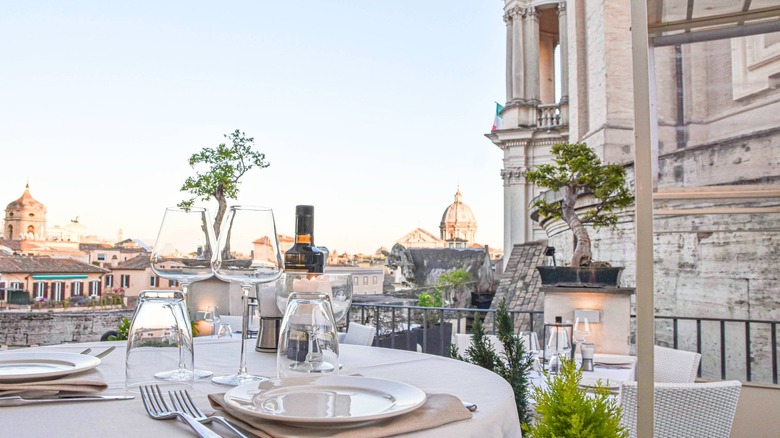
30 366
617 360
326 401
591 382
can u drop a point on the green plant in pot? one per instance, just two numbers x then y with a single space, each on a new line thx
435 335
566 410
577 170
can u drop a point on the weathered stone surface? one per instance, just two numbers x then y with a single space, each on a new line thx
50 328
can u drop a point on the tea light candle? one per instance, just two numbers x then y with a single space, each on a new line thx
587 351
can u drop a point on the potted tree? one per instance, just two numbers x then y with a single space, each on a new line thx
434 335
576 170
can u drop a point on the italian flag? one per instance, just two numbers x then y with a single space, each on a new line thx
498 120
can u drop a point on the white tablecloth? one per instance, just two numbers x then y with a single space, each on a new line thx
495 417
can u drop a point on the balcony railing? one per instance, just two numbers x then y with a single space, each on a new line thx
738 349
548 116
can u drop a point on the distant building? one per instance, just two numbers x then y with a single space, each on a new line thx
25 218
458 225
134 275
55 279
420 238
365 281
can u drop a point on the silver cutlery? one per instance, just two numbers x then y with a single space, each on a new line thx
470 406
16 400
87 351
158 408
182 401
105 353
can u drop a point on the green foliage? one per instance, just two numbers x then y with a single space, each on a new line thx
578 169
514 365
566 410
122 330
455 279
226 164
430 300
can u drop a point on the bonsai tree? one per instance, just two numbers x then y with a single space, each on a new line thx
226 165
453 285
566 410
577 170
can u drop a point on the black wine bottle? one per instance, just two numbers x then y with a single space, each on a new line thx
303 256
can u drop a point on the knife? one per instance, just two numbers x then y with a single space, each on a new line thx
16 400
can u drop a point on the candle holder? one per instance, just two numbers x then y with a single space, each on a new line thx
557 337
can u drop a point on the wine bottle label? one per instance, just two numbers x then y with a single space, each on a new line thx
297 343
303 238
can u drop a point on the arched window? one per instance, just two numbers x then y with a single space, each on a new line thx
31 229
10 232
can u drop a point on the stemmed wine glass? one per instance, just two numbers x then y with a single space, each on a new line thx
248 254
183 252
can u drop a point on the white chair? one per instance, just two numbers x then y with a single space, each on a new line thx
463 342
689 410
675 366
359 334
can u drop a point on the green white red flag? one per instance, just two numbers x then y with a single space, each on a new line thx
498 120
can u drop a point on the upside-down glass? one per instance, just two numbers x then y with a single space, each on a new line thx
183 251
159 341
308 342
248 254
337 286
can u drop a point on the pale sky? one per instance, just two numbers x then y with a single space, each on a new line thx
372 111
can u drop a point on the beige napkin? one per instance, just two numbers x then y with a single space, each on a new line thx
438 410
87 381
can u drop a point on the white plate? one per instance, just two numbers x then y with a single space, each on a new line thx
590 382
29 366
612 360
327 401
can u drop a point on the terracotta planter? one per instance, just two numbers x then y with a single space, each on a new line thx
580 276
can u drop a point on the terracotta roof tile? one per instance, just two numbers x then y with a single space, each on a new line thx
45 264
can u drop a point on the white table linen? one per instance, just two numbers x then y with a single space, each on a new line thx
496 416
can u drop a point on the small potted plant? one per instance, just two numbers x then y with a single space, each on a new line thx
434 335
576 170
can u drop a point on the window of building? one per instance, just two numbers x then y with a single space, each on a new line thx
153 281
94 287
57 290
39 289
109 280
375 280
101 257
357 280
76 288
124 281
173 283
16 285
365 280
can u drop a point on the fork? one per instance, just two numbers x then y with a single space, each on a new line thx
181 400
158 409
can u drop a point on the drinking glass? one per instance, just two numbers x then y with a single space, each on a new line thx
337 286
183 251
308 342
159 341
248 254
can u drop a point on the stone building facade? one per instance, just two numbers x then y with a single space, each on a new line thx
25 218
717 202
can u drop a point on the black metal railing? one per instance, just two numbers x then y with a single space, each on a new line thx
739 349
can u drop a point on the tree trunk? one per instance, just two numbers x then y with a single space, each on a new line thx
220 196
582 254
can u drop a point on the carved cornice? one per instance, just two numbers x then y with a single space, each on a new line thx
516 12
508 18
561 8
531 13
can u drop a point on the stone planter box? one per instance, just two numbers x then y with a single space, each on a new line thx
586 276
398 341
438 338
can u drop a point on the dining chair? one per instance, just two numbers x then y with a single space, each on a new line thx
359 334
691 410
675 366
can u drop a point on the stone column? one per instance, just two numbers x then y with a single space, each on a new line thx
518 60
515 210
563 40
531 49
508 20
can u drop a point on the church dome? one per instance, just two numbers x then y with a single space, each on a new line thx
458 225
457 212
25 202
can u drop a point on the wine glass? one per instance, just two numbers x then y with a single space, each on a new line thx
183 251
248 254
308 342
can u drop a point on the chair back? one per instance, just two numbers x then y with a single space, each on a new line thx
691 410
675 366
359 334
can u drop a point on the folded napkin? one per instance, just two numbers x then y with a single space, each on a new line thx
87 381
438 410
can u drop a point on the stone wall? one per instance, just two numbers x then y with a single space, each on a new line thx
18 329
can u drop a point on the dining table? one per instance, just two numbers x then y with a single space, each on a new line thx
496 414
